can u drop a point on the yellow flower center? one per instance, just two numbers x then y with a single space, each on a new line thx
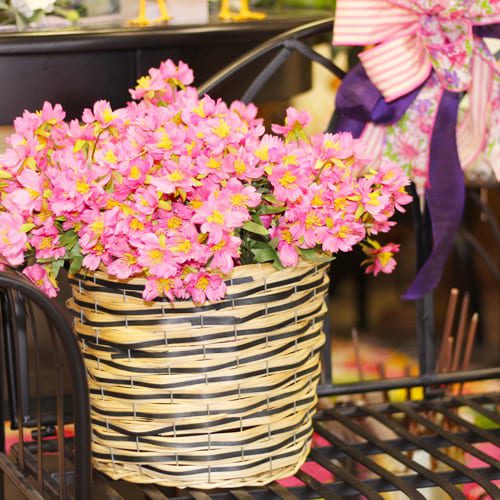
156 255
82 187
202 283
287 236
329 144
340 203
108 115
97 227
176 176
213 163
129 259
136 225
317 201
289 160
222 130
219 246
312 220
165 284
374 199
262 153
384 257
46 243
287 179
240 167
343 232
99 248
174 223
165 141
183 247
110 156
238 199
216 217
135 173
143 82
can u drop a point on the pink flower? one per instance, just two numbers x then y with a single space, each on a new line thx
240 197
41 278
342 235
295 121
124 267
154 256
46 242
12 238
160 287
380 258
225 253
286 248
162 187
202 286
216 217
101 113
288 183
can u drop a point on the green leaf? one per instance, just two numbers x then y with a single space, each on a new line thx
76 264
270 198
68 239
270 209
274 243
26 228
312 255
264 254
56 267
253 227
277 263
75 250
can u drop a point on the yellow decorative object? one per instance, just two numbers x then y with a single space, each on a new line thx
143 20
243 15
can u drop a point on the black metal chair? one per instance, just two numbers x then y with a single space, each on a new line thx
28 319
429 440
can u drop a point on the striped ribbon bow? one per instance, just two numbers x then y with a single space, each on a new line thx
404 99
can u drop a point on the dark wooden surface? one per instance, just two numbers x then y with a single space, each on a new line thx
76 67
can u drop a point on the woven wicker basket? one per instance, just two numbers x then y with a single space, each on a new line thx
220 395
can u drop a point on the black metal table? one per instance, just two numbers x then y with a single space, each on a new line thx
365 450
76 67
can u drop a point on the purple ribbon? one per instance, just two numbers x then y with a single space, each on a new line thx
359 102
445 196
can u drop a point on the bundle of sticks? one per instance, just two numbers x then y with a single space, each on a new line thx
455 351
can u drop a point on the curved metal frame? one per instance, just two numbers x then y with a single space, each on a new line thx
288 42
64 333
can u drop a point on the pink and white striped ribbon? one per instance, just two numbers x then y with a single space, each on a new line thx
405 52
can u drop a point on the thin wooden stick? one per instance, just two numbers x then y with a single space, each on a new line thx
471 336
448 325
460 333
448 353
383 375
407 371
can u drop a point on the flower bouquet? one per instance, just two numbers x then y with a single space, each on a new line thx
197 247
25 13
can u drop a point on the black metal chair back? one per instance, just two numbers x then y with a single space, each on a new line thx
40 353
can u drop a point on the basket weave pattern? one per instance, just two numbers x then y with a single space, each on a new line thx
203 396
